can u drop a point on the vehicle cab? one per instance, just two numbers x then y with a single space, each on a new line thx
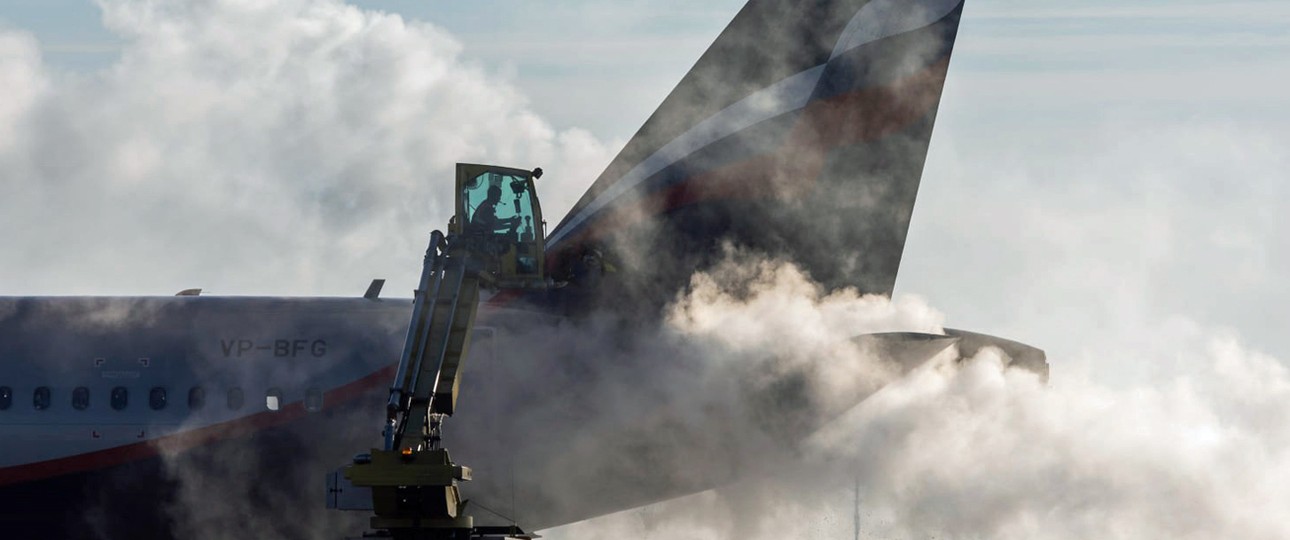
497 210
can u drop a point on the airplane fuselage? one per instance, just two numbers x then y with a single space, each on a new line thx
120 378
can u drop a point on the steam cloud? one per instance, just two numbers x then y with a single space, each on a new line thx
972 449
245 147
953 449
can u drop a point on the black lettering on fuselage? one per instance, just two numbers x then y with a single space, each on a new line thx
279 348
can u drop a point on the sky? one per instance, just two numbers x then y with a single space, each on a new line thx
1106 180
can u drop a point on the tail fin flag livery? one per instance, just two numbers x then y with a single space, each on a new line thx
801 133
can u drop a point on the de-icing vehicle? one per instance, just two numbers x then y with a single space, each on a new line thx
495 240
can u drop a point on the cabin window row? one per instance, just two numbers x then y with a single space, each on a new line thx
158 398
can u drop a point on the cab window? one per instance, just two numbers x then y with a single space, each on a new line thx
120 398
81 398
499 204
40 398
157 398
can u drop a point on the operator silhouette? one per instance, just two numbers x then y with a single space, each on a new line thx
485 218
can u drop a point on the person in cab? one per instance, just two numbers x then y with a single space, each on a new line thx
485 218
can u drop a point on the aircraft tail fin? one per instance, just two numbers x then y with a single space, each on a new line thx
800 133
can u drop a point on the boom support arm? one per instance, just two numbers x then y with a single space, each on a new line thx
443 316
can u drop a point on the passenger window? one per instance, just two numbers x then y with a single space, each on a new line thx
313 400
40 398
235 398
196 398
273 399
120 398
81 398
157 398
6 397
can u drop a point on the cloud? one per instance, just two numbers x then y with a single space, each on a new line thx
1124 234
295 147
24 82
1137 12
984 452
972 449
746 310
608 414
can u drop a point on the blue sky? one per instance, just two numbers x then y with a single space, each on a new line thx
1163 58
